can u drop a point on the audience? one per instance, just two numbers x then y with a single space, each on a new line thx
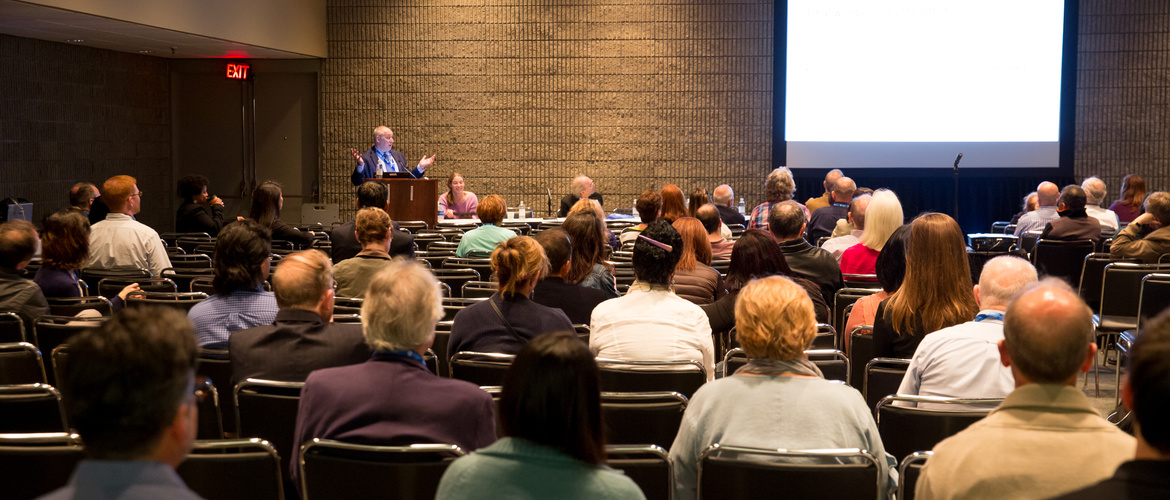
824 199
708 215
786 222
240 302
1145 393
723 198
129 393
576 301
582 187
856 217
962 361
845 226
935 294
343 239
302 338
18 244
698 198
1148 236
1094 194
651 323
554 444
267 201
64 248
1129 206
508 319
121 241
1047 195
779 399
482 240
392 398
593 207
779 187
1073 223
694 278
674 207
373 228
824 219
81 197
588 267
193 216
648 205
1031 203
881 218
1046 438
457 203
891 269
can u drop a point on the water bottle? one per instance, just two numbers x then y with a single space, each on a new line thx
523 212
742 207
634 208
441 212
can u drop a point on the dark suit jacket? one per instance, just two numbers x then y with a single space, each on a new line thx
814 264
729 216
824 220
196 218
345 243
392 400
297 343
1073 227
570 199
575 300
370 167
282 231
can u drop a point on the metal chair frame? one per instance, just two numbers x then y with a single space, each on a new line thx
856 453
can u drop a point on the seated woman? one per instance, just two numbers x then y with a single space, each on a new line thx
694 278
588 267
936 292
651 323
593 207
267 201
198 213
554 444
648 204
393 399
1133 195
778 187
483 239
757 255
508 319
779 399
890 268
64 249
674 207
883 216
457 203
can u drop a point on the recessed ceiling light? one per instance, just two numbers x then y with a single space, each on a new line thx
75 40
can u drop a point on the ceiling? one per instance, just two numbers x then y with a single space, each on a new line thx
58 25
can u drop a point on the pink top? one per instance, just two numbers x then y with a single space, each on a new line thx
468 205
1124 213
859 259
864 311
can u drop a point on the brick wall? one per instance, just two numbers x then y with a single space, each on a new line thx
70 114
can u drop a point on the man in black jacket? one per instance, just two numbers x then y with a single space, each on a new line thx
344 238
1074 222
193 216
786 221
575 300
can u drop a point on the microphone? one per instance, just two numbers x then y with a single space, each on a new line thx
957 158
550 212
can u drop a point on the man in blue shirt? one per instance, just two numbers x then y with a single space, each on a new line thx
240 302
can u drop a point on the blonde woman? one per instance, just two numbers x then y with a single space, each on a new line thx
883 216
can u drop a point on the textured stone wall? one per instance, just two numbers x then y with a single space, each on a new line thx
70 114
520 96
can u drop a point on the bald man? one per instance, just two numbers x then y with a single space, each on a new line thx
825 199
582 187
723 197
1048 194
824 219
1046 438
962 361
856 217
383 158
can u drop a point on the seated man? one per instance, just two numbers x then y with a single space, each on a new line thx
240 302
575 300
129 388
648 205
1073 222
1147 237
1094 194
962 361
582 188
856 217
723 198
373 229
786 222
81 197
393 399
302 338
482 240
1046 438
119 240
720 246
18 244
343 239
1047 195
1145 393
825 199
824 219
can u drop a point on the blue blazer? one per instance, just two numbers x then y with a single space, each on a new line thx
370 160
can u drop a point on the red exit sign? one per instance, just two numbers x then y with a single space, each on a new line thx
237 71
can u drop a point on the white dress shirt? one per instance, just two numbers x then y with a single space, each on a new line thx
1107 217
961 361
652 325
122 241
838 245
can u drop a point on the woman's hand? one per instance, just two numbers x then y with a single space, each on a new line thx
133 287
449 214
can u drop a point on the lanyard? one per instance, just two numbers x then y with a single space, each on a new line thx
989 315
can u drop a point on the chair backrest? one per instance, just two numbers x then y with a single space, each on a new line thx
1092 272
1121 287
347 305
412 226
456 277
171 238
182 278
31 408
883 376
59 357
683 376
217 367
70 306
21 363
737 230
442 339
860 352
1155 296
423 240
233 469
1062 259
202 284
642 417
184 300
51 331
480 368
479 289
109 287
907 429
332 469
909 472
861 281
267 409
826 337
648 465
623 273
481 265
834 365
452 305
191 261
210 418
96 274
36 463
735 472
842 299
999 227
12 328
189 242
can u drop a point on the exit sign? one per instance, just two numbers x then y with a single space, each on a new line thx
237 71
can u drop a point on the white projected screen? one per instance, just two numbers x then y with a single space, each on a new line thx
911 83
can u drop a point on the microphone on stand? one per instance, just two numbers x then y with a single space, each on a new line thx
957 158
550 212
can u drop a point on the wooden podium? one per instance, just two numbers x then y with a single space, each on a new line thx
413 199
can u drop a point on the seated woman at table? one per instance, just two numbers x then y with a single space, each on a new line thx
64 249
457 203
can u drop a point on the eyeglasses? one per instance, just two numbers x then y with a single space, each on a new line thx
138 194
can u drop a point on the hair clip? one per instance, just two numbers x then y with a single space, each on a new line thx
658 244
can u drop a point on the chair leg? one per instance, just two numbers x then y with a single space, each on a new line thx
1096 380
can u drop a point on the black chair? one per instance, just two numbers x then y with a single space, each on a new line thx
455 278
861 281
51 331
109 287
842 299
1092 272
59 357
347 305
442 338
70 306
1121 289
423 240
217 367
909 472
182 278
735 472
452 305
474 289
189 243
642 417
190 261
36 463
233 469
623 273
883 376
21 363
1062 259
210 419
96 274
184 301
683 377
834 365
267 409
12 328
999 227
172 238
826 337
647 465
737 230
203 284
31 408
480 368
332 469
433 259
1154 298
860 353
907 429
412 226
